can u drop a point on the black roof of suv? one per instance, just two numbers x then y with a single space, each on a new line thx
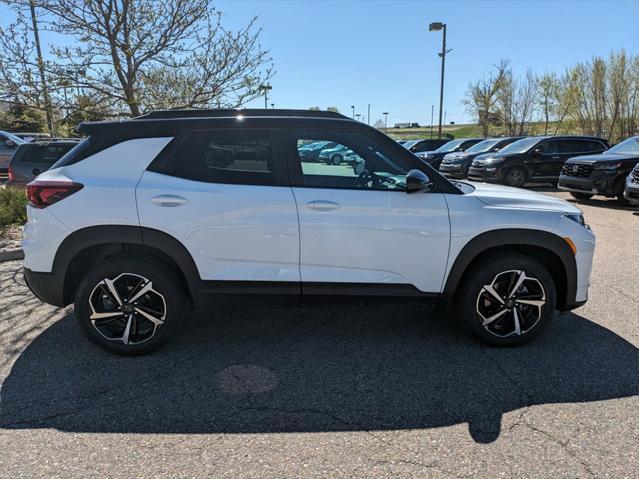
181 123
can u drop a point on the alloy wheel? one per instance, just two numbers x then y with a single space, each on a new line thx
515 177
127 309
512 304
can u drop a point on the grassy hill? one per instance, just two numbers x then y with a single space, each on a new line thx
470 131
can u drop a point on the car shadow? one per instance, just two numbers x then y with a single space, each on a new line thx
310 371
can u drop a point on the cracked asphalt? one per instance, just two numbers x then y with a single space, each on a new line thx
331 393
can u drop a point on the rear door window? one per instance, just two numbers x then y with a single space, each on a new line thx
226 156
46 154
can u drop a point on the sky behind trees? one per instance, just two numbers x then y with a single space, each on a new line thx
342 53
358 52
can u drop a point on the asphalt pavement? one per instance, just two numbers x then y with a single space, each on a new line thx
358 392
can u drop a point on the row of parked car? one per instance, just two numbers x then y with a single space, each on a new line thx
582 165
23 156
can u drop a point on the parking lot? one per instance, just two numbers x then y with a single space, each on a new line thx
317 393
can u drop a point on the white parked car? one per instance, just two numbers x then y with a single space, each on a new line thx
149 218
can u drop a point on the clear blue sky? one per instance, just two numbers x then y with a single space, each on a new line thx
342 53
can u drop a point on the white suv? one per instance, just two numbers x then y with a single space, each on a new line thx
178 210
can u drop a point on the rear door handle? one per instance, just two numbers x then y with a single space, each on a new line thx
168 200
322 205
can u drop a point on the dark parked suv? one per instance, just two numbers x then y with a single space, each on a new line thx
603 174
538 158
31 159
434 158
456 165
418 146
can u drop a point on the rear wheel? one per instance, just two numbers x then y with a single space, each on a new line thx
508 300
130 305
515 176
336 159
581 196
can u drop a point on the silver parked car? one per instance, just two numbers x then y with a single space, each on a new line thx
31 159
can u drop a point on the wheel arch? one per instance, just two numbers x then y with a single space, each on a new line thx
548 248
85 247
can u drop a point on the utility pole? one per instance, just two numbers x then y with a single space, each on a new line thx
369 114
435 27
45 91
432 109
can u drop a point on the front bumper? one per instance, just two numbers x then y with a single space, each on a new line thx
47 287
596 184
631 193
491 174
453 170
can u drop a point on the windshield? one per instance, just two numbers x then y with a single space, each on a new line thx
450 146
520 146
483 146
629 146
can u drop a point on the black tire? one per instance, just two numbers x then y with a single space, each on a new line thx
336 159
515 176
476 304
164 301
581 196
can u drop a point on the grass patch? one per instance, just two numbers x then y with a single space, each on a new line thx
13 207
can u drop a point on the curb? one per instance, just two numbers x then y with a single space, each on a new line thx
11 255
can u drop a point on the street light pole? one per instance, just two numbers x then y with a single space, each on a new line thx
385 122
369 114
435 27
353 108
265 88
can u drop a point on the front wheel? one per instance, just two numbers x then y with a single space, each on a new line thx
581 196
129 305
336 159
507 301
515 176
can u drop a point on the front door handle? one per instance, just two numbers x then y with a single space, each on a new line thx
556 157
168 200
322 205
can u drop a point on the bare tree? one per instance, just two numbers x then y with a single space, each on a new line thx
548 92
481 96
149 54
517 100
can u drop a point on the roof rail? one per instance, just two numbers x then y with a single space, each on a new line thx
222 112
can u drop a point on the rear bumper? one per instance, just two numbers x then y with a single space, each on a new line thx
47 287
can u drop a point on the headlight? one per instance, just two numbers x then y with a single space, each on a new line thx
607 166
577 218
492 161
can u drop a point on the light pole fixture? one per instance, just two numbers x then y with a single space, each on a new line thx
272 105
435 27
265 88
385 122
353 108
358 115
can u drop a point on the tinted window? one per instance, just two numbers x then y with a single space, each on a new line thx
226 156
43 153
552 146
355 162
592 145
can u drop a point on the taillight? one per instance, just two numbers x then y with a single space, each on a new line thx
12 177
41 193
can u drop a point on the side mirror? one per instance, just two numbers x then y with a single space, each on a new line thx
9 143
359 166
417 180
